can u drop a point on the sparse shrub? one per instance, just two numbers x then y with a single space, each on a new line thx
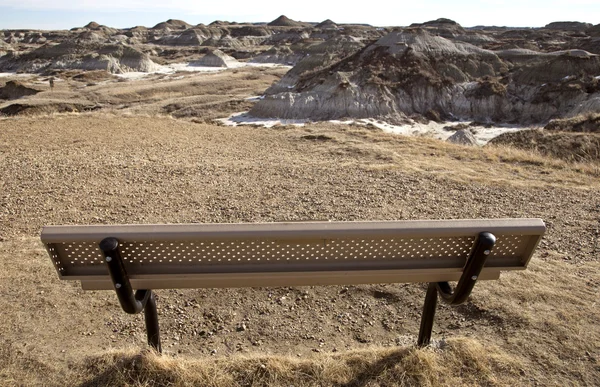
252 77
487 88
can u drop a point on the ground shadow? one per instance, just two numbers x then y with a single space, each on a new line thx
130 370
372 371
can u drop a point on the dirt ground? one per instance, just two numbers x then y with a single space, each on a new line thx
142 165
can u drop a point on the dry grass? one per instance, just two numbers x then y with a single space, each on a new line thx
589 122
557 304
460 362
493 164
583 148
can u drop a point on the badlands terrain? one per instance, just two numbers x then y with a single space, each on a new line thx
288 121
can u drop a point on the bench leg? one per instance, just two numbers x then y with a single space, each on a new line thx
475 263
428 316
132 303
152 327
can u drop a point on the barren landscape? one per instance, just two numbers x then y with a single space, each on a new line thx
118 140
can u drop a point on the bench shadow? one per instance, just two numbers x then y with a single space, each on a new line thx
386 295
377 368
128 369
102 379
474 312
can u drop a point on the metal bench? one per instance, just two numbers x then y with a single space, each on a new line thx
124 257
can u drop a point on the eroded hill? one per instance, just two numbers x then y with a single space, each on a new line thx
412 72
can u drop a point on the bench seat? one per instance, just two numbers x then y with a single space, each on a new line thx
289 254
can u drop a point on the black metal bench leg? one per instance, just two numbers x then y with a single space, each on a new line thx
475 263
152 327
428 316
131 302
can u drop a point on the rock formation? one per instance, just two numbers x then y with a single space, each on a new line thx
568 26
92 25
4 48
568 146
588 123
284 21
280 55
172 24
315 57
327 24
436 69
594 31
216 58
411 71
86 52
195 36
442 27
463 137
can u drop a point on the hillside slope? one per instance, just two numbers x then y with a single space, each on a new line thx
535 327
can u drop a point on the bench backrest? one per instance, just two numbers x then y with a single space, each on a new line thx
289 254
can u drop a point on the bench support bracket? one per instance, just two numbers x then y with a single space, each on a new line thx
131 302
475 262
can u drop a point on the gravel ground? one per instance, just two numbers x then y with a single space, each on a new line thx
70 170
86 169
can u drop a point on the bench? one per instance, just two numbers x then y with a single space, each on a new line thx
148 257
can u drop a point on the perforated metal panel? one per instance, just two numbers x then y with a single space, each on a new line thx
262 251
55 257
510 246
285 247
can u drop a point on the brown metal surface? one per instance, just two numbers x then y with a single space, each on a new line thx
286 254
243 280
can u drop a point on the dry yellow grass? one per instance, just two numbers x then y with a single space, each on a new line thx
461 362
494 164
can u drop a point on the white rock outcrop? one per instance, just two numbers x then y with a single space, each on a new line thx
216 58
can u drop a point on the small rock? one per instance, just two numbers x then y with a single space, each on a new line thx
463 137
